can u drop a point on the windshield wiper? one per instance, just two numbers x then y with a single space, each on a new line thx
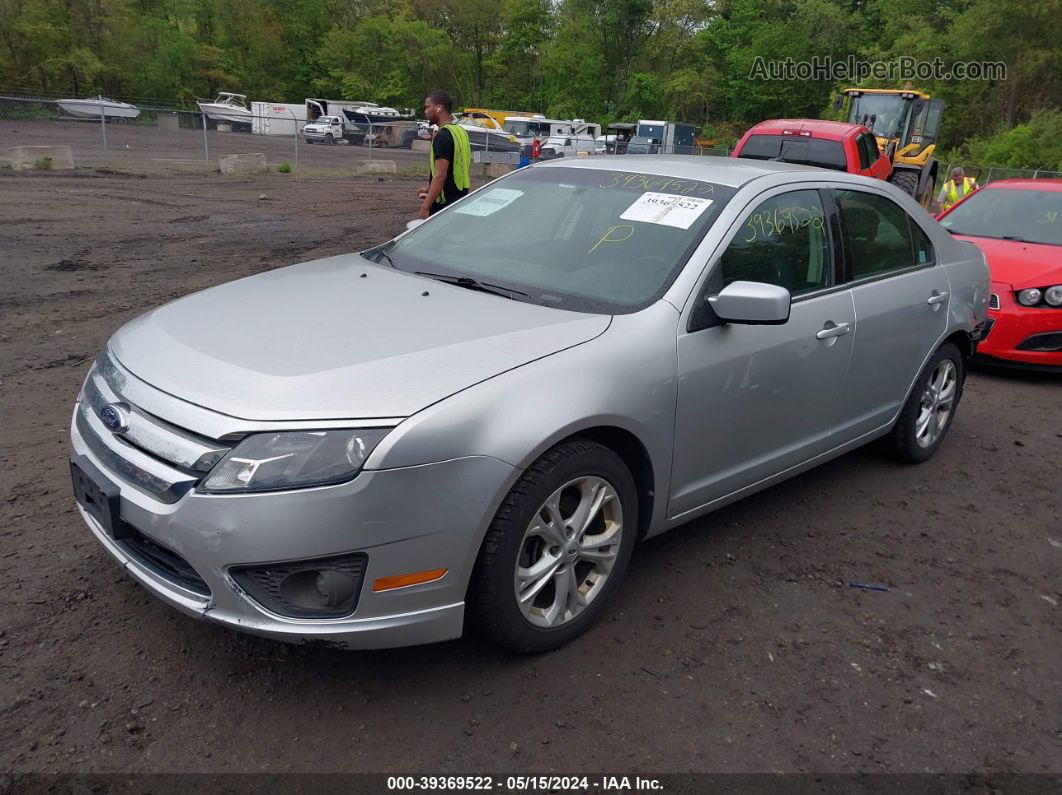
1012 237
472 284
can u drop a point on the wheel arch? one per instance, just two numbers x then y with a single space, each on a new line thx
961 340
635 455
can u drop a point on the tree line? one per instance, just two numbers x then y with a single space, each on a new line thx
605 60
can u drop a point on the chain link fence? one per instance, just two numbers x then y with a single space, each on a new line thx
103 130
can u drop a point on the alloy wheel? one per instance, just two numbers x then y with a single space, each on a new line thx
568 551
938 401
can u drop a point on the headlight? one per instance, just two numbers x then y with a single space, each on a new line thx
292 460
1053 295
1029 297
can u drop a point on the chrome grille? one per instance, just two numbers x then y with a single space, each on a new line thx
152 455
154 436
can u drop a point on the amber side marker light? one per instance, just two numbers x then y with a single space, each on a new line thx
404 580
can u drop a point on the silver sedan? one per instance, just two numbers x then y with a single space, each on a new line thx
483 416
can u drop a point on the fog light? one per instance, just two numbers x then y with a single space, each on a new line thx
334 587
321 588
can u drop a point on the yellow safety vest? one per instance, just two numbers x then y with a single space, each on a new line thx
953 195
462 159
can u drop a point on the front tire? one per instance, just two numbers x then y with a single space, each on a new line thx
930 408
907 181
557 549
329 139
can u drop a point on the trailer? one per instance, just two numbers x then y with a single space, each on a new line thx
277 118
668 137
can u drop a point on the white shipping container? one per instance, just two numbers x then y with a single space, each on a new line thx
275 118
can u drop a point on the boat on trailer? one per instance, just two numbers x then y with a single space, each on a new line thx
228 107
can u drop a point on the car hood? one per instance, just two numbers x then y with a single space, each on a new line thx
1020 264
338 338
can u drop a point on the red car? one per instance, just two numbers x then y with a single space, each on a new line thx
811 142
1017 223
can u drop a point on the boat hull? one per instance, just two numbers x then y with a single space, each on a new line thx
226 113
91 110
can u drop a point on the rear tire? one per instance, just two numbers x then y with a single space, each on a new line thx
557 550
929 411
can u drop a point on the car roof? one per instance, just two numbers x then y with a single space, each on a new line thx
1052 184
730 171
830 130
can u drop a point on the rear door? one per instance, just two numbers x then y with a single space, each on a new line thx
901 298
756 400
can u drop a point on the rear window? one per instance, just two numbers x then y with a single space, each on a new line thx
796 149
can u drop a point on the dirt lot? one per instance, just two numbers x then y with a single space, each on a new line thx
737 643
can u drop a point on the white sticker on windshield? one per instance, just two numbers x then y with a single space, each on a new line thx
490 202
667 209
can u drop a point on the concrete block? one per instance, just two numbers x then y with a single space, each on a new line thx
169 122
223 127
26 158
243 164
419 145
480 156
375 167
495 170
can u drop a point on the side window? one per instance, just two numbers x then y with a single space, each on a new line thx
864 155
871 144
923 249
782 241
878 233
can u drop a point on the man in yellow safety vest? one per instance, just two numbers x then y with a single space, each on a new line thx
955 188
449 158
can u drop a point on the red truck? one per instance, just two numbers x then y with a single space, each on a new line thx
811 142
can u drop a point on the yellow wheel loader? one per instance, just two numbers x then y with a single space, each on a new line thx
906 123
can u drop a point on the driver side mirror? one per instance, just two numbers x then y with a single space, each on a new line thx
752 303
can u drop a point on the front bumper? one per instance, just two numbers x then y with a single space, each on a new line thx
404 520
1013 325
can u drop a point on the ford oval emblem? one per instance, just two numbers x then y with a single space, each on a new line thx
114 417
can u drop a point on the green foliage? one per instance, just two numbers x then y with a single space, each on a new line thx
1035 144
605 60
43 163
284 168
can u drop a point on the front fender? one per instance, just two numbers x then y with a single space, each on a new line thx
626 378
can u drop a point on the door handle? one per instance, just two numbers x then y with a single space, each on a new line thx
832 329
937 298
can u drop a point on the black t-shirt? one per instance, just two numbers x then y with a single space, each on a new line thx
443 147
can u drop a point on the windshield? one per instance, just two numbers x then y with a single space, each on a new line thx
888 111
522 128
1034 216
571 238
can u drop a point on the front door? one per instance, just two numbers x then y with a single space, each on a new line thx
756 400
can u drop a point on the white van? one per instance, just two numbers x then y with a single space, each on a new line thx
568 146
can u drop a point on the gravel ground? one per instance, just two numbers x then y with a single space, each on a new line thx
736 644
